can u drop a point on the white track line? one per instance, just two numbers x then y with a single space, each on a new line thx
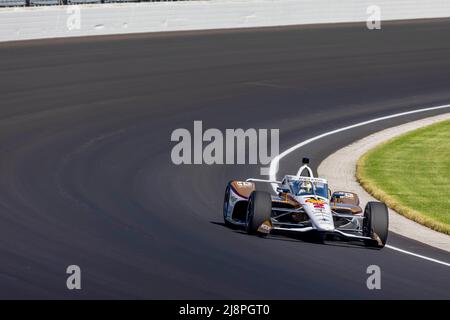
417 255
274 164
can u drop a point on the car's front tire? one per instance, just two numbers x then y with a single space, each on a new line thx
226 204
259 210
376 224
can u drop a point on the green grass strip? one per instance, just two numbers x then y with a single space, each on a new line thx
411 174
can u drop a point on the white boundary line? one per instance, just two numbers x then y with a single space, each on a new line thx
274 164
417 255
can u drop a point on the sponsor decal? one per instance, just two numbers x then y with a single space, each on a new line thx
233 199
265 227
344 195
244 184
318 204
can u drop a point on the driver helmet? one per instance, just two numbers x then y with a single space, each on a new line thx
306 187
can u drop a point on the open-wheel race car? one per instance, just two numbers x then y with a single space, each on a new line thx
304 203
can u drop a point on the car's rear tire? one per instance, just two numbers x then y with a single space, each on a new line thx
226 204
376 224
259 210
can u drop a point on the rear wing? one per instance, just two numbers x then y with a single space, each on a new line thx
303 178
288 176
262 180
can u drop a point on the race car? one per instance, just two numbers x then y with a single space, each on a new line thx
304 203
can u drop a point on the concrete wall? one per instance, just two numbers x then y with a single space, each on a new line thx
101 19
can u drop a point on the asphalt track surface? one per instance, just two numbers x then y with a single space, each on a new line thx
87 178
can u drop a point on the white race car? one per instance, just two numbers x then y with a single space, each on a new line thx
304 204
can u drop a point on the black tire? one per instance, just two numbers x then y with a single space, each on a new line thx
259 210
226 203
376 224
